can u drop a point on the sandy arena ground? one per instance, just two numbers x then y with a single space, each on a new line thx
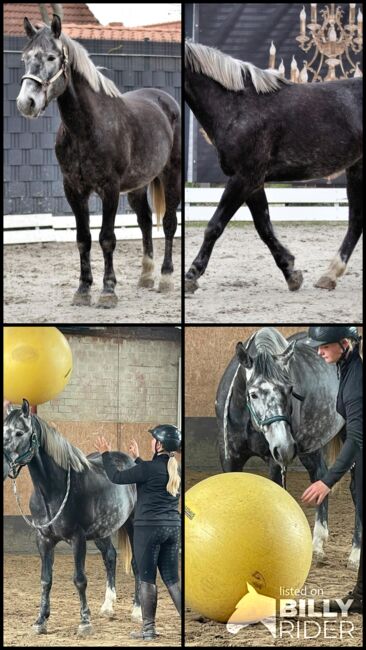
333 577
40 281
22 589
242 283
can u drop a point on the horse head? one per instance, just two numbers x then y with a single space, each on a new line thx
46 64
269 395
20 442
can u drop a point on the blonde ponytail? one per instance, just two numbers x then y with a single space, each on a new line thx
173 484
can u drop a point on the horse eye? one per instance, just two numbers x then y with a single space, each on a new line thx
253 396
19 434
51 57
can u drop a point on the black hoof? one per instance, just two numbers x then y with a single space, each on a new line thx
82 299
295 281
107 300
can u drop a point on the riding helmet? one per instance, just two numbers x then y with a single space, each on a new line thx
169 436
321 335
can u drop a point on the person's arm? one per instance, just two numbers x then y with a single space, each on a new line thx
352 399
134 474
343 463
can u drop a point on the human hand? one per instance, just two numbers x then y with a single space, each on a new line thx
133 448
315 493
102 445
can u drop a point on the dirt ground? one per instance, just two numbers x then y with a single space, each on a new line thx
332 577
22 590
40 280
242 283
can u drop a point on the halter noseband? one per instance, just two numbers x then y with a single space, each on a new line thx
46 83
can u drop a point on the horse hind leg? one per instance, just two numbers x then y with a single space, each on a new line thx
109 555
339 264
172 187
139 203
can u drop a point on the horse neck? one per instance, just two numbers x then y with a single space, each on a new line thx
46 475
77 105
202 95
238 398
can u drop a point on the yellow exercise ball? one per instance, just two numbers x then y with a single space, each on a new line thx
242 528
37 364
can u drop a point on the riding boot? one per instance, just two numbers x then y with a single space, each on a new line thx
176 596
356 595
149 599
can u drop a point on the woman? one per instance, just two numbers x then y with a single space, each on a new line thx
340 344
157 520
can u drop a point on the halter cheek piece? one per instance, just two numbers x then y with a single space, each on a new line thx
46 83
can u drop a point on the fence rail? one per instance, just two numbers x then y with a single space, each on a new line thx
35 228
285 204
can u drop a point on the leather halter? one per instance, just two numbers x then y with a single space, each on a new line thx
46 83
273 418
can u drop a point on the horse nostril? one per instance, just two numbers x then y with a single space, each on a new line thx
275 453
31 103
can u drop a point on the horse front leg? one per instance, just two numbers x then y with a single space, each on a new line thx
316 467
235 193
78 544
339 263
46 548
78 201
258 206
107 240
109 555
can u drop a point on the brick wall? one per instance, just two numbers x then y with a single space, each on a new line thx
119 388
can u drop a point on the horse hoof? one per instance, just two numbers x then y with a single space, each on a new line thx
146 283
319 559
81 299
84 629
107 612
107 300
136 614
166 284
190 285
295 281
325 283
39 628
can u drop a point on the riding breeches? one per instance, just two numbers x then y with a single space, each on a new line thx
157 547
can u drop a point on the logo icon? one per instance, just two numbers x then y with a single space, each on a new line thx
253 608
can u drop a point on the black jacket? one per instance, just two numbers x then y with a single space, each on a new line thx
155 506
349 405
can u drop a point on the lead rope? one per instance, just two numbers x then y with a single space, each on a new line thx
30 523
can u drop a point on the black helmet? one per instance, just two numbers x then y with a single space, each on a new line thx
169 436
321 335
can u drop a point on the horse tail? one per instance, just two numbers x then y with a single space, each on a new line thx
158 199
125 547
333 449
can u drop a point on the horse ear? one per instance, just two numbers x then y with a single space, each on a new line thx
243 356
25 408
56 26
286 355
28 28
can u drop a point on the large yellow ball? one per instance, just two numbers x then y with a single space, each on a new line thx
240 528
37 364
